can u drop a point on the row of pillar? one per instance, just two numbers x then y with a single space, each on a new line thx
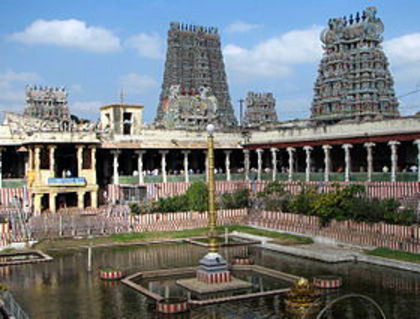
290 151
163 165
327 161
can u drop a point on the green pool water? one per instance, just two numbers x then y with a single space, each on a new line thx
64 288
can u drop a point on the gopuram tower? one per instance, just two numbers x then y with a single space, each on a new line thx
354 81
260 108
47 103
194 90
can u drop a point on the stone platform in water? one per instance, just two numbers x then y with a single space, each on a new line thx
194 285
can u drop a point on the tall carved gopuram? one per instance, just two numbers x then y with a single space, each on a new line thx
194 90
353 77
47 103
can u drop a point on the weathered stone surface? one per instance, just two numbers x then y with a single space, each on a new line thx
194 90
47 103
354 80
260 109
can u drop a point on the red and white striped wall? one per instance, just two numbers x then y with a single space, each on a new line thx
213 278
171 305
328 282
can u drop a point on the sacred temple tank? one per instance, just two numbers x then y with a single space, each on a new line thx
353 77
194 90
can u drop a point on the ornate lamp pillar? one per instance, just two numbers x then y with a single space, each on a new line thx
260 151
186 166
274 151
140 165
394 159
290 151
206 165
211 190
246 164
308 149
327 162
213 267
417 142
163 165
369 149
116 177
347 160
227 165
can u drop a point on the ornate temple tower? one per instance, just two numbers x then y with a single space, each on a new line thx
260 108
47 103
354 80
194 90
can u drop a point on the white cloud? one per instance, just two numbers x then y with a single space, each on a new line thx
404 55
276 56
404 49
12 85
147 45
68 33
134 83
240 27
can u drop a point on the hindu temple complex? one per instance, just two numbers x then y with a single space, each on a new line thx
118 197
355 131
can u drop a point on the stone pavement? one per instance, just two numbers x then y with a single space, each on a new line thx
330 251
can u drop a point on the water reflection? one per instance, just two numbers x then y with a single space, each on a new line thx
64 289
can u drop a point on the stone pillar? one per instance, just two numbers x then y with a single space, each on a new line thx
369 149
227 165
186 166
246 164
37 204
274 162
327 162
308 149
93 162
37 158
94 199
347 161
80 200
163 165
260 151
1 167
290 151
30 159
79 159
140 165
52 159
417 142
116 176
394 159
52 202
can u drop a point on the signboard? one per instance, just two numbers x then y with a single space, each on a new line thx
67 181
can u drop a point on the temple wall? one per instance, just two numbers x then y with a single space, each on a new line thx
338 131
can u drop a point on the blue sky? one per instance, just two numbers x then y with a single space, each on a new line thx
96 48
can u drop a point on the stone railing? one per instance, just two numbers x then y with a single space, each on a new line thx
69 225
406 238
397 190
267 176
